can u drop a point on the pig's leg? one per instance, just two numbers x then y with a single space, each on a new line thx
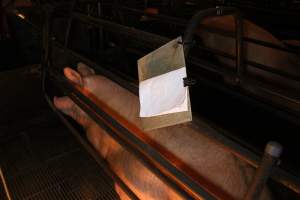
138 178
121 193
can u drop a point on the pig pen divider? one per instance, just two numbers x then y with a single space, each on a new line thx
284 106
82 100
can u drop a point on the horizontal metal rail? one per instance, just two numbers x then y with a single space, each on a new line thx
279 175
253 64
124 136
154 39
124 30
182 22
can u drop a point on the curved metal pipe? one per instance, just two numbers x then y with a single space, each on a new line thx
194 23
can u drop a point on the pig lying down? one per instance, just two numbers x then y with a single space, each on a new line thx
185 142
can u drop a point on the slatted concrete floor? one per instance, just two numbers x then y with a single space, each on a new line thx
46 162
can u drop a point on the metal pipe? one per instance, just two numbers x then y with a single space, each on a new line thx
69 23
239 24
267 68
156 40
182 22
272 153
124 30
194 23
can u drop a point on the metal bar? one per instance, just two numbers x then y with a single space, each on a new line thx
69 23
197 18
272 153
163 18
239 24
124 30
3 180
250 63
181 22
157 40
200 15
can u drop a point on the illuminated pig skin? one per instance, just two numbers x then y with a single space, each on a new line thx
185 142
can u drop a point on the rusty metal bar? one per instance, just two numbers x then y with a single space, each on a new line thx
239 29
281 176
159 40
272 153
182 22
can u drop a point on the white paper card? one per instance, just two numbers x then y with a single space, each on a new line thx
163 94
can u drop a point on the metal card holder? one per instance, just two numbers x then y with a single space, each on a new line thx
163 60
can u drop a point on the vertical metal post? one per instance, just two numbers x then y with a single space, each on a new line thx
1 20
45 44
69 24
272 153
101 31
239 46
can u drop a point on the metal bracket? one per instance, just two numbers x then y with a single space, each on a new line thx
187 81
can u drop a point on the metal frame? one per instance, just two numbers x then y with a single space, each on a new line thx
117 130
278 174
248 83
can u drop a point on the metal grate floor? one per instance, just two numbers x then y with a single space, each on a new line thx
46 162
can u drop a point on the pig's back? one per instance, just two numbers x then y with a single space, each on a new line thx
185 143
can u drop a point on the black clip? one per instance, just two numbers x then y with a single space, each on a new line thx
189 81
187 43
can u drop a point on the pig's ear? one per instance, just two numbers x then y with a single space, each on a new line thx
85 70
73 76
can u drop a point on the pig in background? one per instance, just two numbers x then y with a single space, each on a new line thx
274 59
185 142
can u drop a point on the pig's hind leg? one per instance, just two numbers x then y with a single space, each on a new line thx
143 183
121 193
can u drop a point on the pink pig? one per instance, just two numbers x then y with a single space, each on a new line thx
185 142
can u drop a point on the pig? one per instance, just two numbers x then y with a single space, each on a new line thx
184 142
275 59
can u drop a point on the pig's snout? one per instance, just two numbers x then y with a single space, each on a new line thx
64 104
